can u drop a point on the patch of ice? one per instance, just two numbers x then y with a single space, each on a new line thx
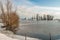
57 39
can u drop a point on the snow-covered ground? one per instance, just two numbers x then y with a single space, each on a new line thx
4 37
8 35
15 37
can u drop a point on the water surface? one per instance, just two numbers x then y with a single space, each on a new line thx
40 29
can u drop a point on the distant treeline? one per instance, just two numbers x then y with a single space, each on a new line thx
43 17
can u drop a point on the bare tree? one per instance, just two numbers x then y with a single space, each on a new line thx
10 18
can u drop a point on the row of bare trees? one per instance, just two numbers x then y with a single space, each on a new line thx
9 17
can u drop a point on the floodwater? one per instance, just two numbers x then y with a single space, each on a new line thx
40 29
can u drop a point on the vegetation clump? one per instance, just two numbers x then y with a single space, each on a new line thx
9 18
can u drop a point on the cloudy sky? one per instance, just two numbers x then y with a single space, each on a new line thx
29 8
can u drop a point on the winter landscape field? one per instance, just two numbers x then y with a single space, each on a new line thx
29 19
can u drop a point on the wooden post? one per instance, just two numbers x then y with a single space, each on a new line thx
25 36
50 36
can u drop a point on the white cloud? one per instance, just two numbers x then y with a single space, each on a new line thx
31 11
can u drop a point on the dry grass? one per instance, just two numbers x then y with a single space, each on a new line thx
10 19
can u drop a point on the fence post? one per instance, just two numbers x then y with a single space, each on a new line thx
25 36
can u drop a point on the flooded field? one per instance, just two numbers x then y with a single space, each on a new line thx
40 29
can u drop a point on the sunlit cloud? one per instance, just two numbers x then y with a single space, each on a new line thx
33 10
27 9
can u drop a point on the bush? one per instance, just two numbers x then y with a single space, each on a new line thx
10 18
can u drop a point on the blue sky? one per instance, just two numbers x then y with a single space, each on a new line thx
49 3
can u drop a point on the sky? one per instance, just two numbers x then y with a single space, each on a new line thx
29 8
